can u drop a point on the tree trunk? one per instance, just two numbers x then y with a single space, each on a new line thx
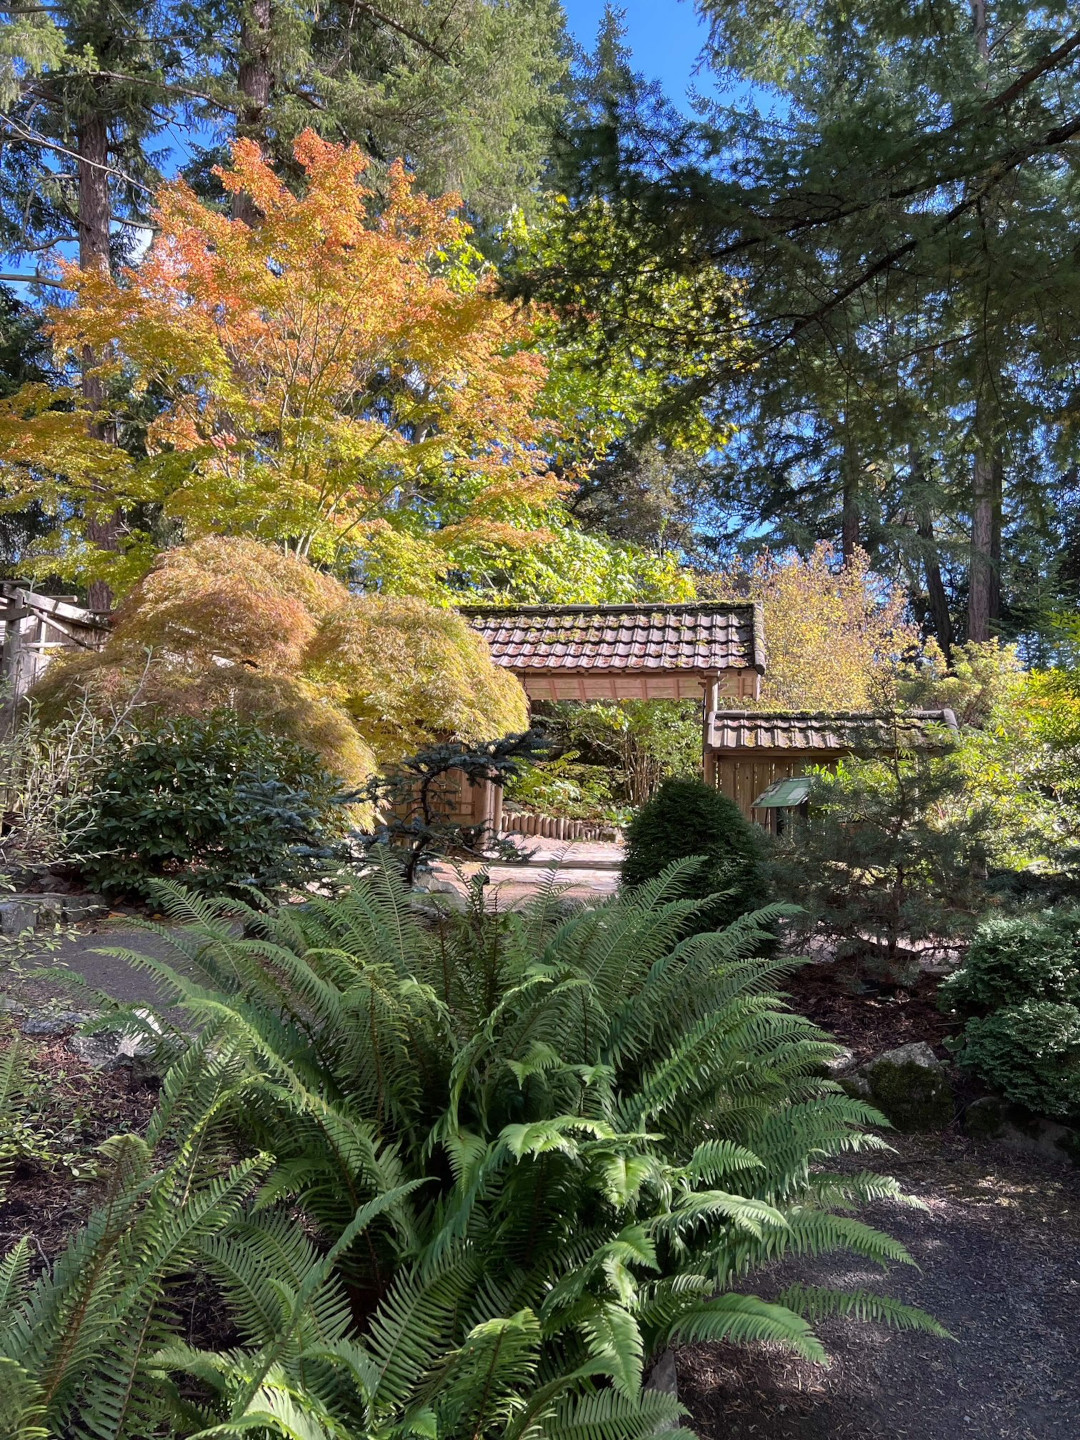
849 516
254 80
95 214
936 595
984 583
981 28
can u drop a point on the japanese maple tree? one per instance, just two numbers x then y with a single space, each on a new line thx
343 382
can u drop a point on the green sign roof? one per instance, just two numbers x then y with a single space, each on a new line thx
784 794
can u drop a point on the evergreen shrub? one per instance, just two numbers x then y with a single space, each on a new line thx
1016 958
1030 1054
214 801
688 818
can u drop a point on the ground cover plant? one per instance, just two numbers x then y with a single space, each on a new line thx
463 1180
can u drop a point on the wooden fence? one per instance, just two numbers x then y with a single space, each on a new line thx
552 827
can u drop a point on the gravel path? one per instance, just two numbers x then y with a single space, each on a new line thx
999 1247
77 954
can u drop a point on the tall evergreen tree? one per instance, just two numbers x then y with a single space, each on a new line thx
898 212
467 92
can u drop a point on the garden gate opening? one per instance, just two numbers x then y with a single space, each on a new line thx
708 650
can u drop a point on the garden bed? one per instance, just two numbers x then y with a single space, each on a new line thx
868 1024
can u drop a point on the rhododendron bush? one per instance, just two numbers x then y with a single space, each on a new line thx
345 384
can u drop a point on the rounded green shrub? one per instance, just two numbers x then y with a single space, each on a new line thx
1015 958
1029 1053
686 818
215 802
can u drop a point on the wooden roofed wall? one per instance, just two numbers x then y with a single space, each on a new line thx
743 778
552 684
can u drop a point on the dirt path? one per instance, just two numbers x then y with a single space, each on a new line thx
999 1248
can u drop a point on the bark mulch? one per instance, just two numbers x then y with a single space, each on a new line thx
72 1109
868 1023
999 1247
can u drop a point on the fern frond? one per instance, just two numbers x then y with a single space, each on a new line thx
745 1318
816 1303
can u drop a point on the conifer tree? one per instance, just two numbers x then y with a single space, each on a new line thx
895 217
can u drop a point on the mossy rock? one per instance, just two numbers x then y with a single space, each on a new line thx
992 1118
909 1086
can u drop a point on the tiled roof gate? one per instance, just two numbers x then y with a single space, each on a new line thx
628 652
833 732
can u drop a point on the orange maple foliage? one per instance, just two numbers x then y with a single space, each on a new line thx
344 383
362 680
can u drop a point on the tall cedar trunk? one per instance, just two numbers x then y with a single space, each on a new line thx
95 213
849 515
984 585
254 80
936 594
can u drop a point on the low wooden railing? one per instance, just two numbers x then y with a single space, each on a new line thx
553 827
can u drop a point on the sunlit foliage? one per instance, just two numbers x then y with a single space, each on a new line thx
358 679
834 634
346 386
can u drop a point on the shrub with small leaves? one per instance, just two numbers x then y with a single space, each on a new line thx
1029 1053
689 818
1015 958
215 801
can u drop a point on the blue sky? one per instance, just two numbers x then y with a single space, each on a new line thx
664 35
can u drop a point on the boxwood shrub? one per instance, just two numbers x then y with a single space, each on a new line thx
1030 1054
1016 958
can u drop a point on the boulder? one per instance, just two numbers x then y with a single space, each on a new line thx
45 911
110 1050
120 1049
52 1024
991 1118
17 916
908 1085
840 1063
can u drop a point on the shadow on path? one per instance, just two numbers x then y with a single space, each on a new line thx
999 1247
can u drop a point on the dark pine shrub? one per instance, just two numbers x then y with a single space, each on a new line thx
1029 1053
214 801
1016 958
686 818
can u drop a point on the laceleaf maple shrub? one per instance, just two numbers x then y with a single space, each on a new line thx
343 382
238 625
